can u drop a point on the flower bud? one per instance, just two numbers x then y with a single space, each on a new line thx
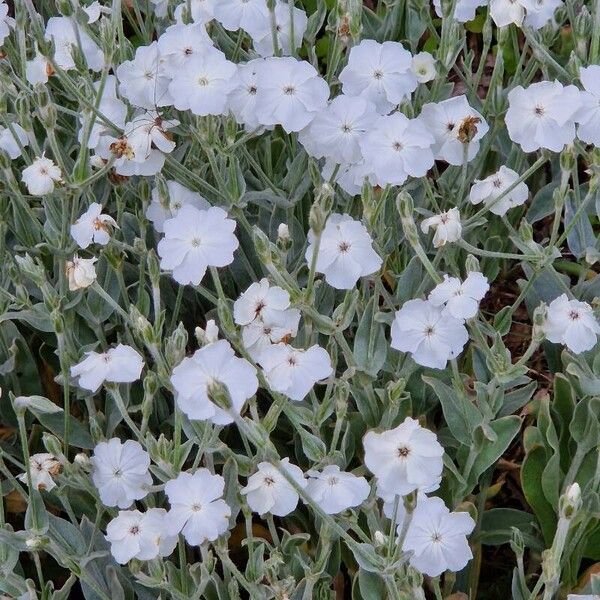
472 264
52 444
35 543
31 269
176 345
570 501
284 241
262 245
83 461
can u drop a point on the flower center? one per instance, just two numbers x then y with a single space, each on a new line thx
333 481
258 308
292 361
196 507
117 473
497 183
346 128
343 247
202 81
134 530
187 51
450 126
539 111
398 146
289 90
269 481
403 451
378 74
574 315
195 242
429 330
252 89
436 537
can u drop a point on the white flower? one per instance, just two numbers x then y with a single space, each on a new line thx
159 210
120 472
335 491
539 12
260 301
572 323
505 12
336 131
95 10
294 372
203 83
268 490
179 43
40 176
261 333
43 467
249 15
196 379
126 163
437 538
461 299
423 66
243 100
489 189
542 115
66 34
147 132
92 227
262 34
11 142
588 117
464 11
345 253
403 459
38 70
202 11
121 364
144 81
292 93
350 177
197 508
454 124
6 22
194 240
80 272
381 73
397 147
133 534
428 333
447 227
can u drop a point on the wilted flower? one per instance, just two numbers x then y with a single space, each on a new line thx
43 468
447 227
92 226
80 272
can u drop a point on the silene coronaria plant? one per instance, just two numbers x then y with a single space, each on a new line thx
299 299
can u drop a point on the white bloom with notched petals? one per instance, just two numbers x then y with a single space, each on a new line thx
403 459
161 209
244 99
197 510
249 15
43 468
460 299
144 81
588 117
92 227
542 115
12 141
294 372
144 536
268 490
505 12
147 132
66 35
454 125
292 93
202 11
194 240
203 83
540 12
437 538
120 472
335 491
381 73
345 253
572 323
397 147
447 227
423 66
38 69
179 43
40 176
121 364
490 189
80 272
464 11
195 379
260 301
335 132
262 33
430 335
